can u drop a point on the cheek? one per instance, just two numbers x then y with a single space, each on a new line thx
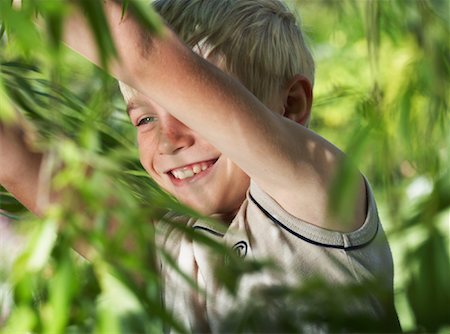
146 154
144 160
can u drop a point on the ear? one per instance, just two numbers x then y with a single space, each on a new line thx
298 100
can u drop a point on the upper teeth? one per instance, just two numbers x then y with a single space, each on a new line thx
190 171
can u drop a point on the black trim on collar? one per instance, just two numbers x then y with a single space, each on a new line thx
277 222
208 230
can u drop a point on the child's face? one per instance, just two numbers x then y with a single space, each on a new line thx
183 163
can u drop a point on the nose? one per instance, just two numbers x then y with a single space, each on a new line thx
173 135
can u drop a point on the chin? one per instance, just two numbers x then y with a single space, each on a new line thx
226 208
206 209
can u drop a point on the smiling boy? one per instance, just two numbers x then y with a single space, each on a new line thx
221 125
182 162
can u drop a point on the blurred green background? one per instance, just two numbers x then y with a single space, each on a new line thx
381 95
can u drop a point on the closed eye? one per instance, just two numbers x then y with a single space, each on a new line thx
146 120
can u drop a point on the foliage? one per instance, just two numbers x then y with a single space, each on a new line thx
381 94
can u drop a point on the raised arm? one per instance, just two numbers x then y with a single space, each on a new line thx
292 164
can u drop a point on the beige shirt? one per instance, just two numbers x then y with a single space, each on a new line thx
302 254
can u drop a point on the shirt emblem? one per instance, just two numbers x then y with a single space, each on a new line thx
241 248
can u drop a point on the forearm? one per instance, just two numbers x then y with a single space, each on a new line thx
19 166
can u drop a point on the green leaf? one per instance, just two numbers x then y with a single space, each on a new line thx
98 23
118 307
145 15
7 113
22 320
61 291
428 285
39 248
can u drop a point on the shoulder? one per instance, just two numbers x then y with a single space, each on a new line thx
263 213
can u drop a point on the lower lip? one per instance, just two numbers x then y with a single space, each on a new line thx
196 177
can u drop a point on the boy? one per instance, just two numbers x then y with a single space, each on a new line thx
242 155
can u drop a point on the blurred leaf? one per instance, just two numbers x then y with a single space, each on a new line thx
346 183
429 283
7 113
38 249
145 15
9 205
19 24
22 320
113 315
61 291
98 23
53 13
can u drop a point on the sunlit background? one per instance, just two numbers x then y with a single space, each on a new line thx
382 95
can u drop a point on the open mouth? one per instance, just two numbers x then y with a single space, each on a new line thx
190 172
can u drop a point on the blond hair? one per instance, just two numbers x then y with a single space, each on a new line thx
260 40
